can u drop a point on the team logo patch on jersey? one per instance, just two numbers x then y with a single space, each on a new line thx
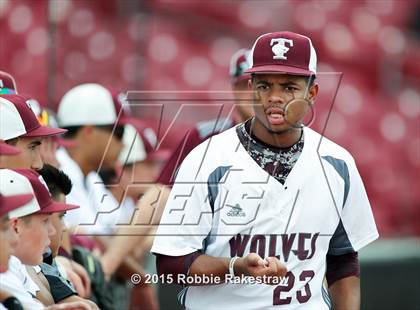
279 47
236 211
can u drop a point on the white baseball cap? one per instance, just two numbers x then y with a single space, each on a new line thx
90 104
140 143
17 119
12 184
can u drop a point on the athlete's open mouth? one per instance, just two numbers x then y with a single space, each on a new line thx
275 116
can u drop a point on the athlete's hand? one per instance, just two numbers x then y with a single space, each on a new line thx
82 273
255 266
77 283
77 275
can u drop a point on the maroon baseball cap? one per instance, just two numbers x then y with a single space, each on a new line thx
10 203
7 83
19 120
283 52
6 149
42 194
48 118
13 184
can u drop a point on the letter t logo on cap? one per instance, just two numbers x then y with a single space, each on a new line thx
280 48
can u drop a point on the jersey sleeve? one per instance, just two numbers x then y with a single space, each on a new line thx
60 288
187 218
357 226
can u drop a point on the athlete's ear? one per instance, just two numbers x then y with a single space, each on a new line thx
14 224
250 83
313 92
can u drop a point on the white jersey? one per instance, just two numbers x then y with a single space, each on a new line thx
225 205
17 282
79 194
99 212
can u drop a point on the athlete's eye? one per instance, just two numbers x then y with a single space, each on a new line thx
290 89
33 146
262 87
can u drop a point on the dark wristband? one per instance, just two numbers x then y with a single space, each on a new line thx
12 303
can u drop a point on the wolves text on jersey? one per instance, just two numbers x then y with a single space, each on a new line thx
303 244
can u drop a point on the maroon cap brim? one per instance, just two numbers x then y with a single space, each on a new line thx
278 69
11 203
6 149
45 131
55 207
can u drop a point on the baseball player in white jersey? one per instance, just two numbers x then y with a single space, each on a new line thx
268 198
